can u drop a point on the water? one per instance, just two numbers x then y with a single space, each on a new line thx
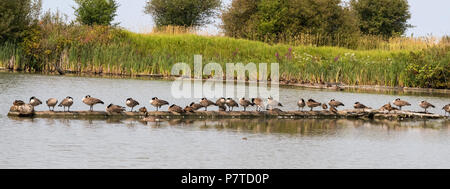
61 143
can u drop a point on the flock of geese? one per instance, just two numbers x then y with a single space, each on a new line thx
224 104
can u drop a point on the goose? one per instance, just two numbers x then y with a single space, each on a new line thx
231 104
221 103
189 109
312 104
446 109
301 104
335 103
205 103
259 103
324 106
115 109
400 103
35 101
333 109
158 103
18 103
67 102
359 106
273 103
143 110
195 106
388 107
90 101
425 105
52 102
245 103
176 109
132 103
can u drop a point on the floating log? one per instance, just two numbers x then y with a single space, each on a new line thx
345 114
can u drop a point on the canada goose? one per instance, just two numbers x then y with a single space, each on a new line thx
189 109
312 104
143 110
324 106
333 109
335 103
131 103
158 103
221 103
245 103
176 109
205 103
301 104
18 103
388 107
273 103
400 103
52 102
195 106
425 105
259 103
446 109
231 104
115 109
35 101
90 101
67 102
358 105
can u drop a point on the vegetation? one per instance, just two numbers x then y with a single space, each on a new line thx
16 17
189 13
96 12
382 17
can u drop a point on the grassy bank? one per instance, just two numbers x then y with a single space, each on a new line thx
104 50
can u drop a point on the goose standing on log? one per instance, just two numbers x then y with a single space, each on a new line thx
400 103
245 103
132 103
301 104
259 103
231 104
312 104
90 101
206 103
51 103
425 105
273 103
67 102
221 103
158 103
334 103
35 101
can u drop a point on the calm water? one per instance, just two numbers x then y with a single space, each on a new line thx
61 143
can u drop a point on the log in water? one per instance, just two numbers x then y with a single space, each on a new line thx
345 114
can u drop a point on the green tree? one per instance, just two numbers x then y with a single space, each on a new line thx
96 12
16 17
382 17
189 13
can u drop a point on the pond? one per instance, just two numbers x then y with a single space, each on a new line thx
228 143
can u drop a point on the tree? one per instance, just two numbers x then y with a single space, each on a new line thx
16 17
188 13
382 17
96 12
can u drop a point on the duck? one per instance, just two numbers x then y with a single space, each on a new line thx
335 103
359 106
425 105
131 103
158 103
52 102
176 109
221 103
18 103
259 103
115 109
231 104
446 109
90 101
189 109
35 101
143 110
67 102
206 103
301 104
245 103
195 106
273 103
324 106
400 103
312 104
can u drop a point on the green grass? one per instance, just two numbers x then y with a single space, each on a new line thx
131 53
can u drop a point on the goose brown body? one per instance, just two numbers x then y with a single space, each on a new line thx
115 109
245 103
231 104
301 104
67 102
35 101
18 103
176 109
312 104
206 103
158 103
195 106
51 103
425 105
131 103
358 105
90 101
335 103
446 109
259 103
400 103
